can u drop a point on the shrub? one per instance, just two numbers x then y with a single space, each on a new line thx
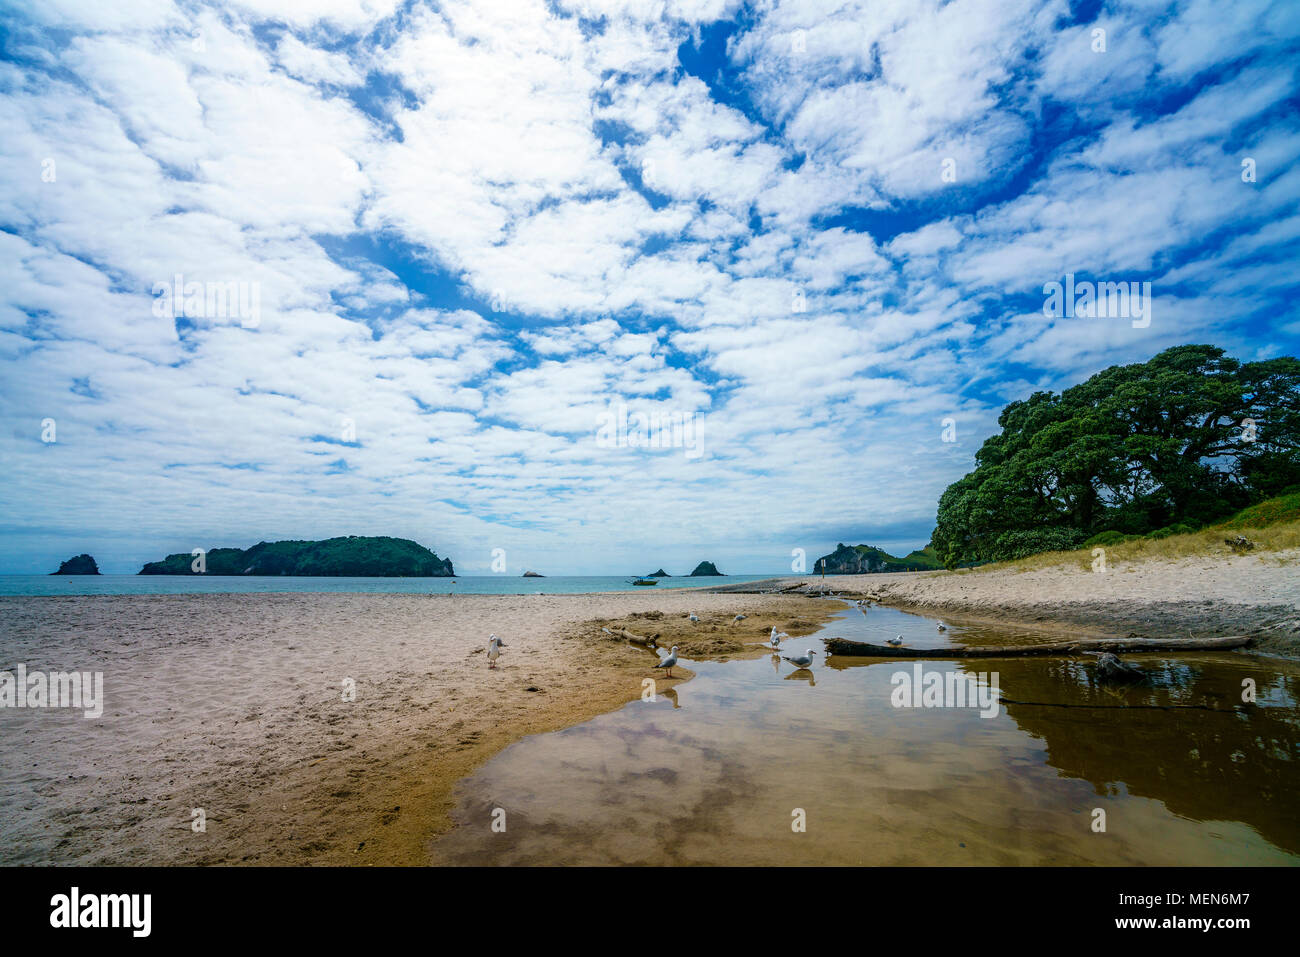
1021 544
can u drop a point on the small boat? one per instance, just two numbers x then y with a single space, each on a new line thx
645 581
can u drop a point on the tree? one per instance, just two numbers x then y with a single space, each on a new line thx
1185 437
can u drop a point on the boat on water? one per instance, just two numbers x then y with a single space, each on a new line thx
645 581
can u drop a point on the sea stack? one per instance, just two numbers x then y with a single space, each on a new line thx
78 565
705 568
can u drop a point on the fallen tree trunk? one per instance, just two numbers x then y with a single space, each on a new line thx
862 649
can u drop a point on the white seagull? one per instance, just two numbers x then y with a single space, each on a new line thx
495 645
776 637
669 661
738 619
801 661
694 617
894 641
942 626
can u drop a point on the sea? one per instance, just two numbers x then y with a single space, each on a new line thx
466 585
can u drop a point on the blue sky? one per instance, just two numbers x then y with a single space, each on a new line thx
815 231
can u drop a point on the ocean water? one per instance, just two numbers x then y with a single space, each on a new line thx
468 585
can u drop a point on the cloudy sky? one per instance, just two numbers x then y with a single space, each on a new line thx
463 231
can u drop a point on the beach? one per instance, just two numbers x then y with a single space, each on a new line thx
234 704
233 708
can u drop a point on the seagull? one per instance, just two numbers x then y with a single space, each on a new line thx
801 661
669 661
942 626
738 619
694 617
776 637
894 641
495 645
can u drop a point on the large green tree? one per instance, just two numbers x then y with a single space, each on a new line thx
1186 437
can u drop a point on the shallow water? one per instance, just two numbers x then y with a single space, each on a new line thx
713 772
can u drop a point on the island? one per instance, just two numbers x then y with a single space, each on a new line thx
706 568
350 556
867 559
533 575
659 574
78 565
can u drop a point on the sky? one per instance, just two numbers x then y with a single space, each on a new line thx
429 252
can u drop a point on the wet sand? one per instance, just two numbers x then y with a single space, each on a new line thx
234 703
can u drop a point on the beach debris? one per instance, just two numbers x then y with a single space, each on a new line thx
1240 544
495 645
896 642
648 640
668 662
1111 668
800 661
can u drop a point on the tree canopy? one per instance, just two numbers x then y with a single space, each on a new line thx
1186 437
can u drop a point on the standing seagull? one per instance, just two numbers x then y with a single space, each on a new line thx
495 645
776 637
738 619
694 617
942 626
801 661
894 641
669 661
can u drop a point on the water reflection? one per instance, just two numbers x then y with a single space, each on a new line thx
1187 772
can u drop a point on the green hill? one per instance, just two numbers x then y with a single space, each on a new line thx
353 556
867 559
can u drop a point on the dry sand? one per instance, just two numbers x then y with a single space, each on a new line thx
234 704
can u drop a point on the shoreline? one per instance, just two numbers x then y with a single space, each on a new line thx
1211 596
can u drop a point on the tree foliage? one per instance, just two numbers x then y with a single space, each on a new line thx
1188 436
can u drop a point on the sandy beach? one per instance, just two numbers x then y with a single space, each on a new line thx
234 704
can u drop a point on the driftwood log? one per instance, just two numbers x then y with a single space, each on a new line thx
631 636
862 649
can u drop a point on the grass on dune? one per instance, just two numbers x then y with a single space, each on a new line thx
1273 525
